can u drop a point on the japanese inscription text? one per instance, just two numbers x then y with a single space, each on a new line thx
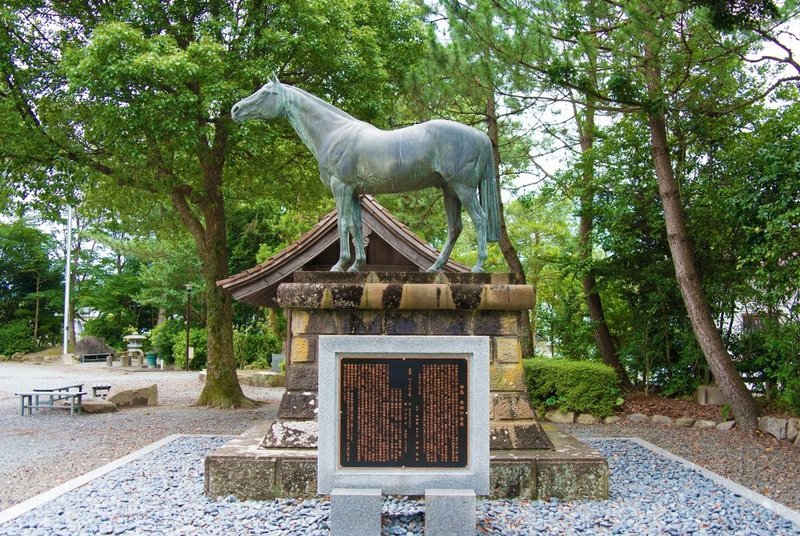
403 411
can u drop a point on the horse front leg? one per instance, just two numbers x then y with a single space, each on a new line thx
356 230
343 195
452 211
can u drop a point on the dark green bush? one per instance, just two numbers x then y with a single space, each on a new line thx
579 386
16 336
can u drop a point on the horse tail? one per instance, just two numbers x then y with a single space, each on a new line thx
490 199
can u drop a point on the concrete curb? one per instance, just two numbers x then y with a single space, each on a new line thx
34 502
738 489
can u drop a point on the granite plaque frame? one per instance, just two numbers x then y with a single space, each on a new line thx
471 473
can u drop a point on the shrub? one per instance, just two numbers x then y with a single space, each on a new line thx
197 339
16 336
254 345
162 338
579 386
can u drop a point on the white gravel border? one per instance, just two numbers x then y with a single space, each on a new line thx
753 496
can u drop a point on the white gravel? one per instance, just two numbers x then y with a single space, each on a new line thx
41 451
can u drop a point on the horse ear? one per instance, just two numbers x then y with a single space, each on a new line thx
273 78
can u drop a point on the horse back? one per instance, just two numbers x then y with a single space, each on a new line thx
411 158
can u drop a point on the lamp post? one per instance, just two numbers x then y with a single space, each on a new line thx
188 287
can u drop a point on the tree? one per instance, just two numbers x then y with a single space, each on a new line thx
136 97
32 288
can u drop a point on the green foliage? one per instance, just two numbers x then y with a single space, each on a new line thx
579 386
163 336
30 279
197 339
109 327
253 346
16 336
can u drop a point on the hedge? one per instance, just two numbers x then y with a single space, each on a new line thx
578 386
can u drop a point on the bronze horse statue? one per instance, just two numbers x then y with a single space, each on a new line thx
356 158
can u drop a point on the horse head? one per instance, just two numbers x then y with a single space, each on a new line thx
266 103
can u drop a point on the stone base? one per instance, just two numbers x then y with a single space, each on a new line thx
570 470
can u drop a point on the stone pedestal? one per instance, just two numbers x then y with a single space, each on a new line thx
328 303
402 304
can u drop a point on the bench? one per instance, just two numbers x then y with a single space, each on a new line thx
94 358
101 390
46 399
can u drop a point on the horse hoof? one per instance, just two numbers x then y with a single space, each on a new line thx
337 268
352 269
477 269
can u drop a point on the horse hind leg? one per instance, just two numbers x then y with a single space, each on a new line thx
342 195
452 210
356 230
469 198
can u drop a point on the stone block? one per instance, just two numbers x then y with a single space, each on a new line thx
508 297
726 426
302 377
684 422
355 511
141 396
571 480
517 435
319 323
304 349
556 415
426 297
298 405
512 479
291 434
361 323
373 296
466 296
449 323
97 405
406 323
587 418
297 478
243 477
662 419
507 350
710 395
506 377
512 406
496 323
638 417
300 322
792 429
704 424
449 512
774 426
611 419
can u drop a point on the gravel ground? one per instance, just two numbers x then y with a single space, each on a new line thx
41 451
761 463
163 493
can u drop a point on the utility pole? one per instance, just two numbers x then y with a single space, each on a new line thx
67 279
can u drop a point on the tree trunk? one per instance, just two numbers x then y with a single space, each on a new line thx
222 387
506 247
602 335
708 337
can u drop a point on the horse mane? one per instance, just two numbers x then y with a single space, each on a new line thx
322 103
